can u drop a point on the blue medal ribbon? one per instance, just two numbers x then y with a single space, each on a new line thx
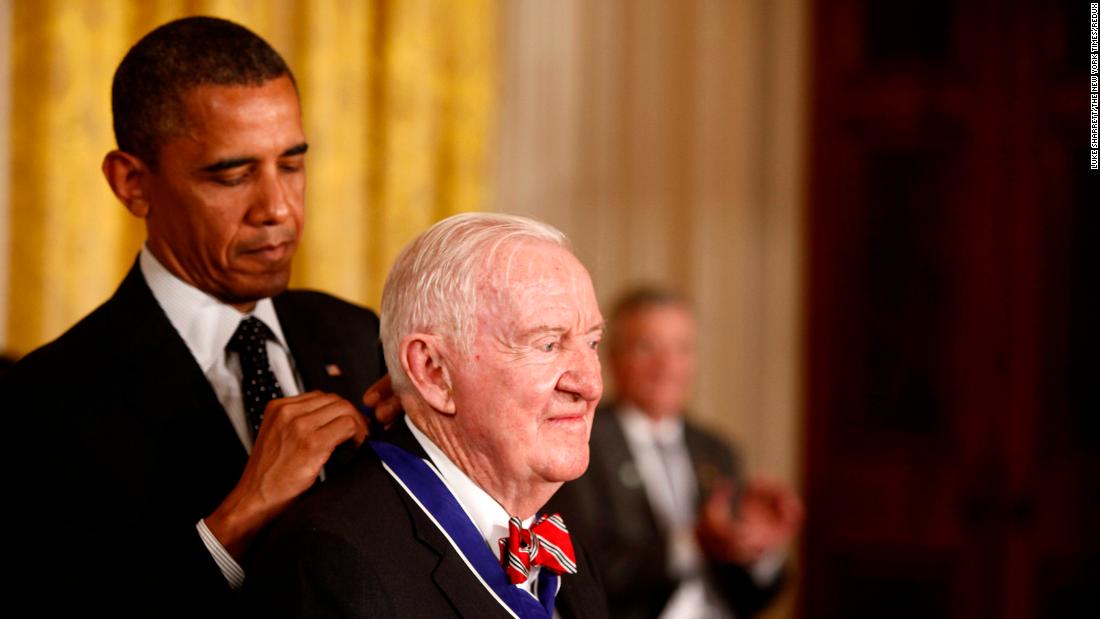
418 478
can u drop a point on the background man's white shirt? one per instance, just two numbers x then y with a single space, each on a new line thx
664 465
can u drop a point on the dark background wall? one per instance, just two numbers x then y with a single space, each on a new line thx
951 430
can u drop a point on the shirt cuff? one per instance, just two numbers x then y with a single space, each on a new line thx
233 572
766 569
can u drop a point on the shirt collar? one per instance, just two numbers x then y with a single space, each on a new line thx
488 516
641 429
205 323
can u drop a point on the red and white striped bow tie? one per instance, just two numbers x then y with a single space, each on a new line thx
546 543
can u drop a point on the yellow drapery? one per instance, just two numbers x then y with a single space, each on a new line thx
398 102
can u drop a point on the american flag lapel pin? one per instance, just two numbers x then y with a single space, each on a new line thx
333 370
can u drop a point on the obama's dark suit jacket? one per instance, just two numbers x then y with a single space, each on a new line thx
359 546
120 446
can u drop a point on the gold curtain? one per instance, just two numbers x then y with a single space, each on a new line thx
398 104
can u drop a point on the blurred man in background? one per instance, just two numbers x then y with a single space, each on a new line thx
664 506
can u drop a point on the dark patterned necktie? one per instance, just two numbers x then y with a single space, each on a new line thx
258 383
546 543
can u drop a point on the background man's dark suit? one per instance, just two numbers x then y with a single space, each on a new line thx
358 546
108 506
609 511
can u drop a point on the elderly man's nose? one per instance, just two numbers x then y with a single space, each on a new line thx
583 377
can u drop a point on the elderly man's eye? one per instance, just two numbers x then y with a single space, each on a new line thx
548 346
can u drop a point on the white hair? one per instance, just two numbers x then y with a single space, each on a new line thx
433 284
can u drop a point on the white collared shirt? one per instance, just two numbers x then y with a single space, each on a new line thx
655 445
488 516
206 324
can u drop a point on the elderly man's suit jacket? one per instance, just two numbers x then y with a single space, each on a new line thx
359 546
122 446
609 510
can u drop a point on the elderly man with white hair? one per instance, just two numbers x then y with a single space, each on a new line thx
490 328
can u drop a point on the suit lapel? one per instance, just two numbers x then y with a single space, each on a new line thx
451 575
642 523
466 594
175 399
707 463
581 595
320 362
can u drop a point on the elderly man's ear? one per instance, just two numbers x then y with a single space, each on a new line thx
422 360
